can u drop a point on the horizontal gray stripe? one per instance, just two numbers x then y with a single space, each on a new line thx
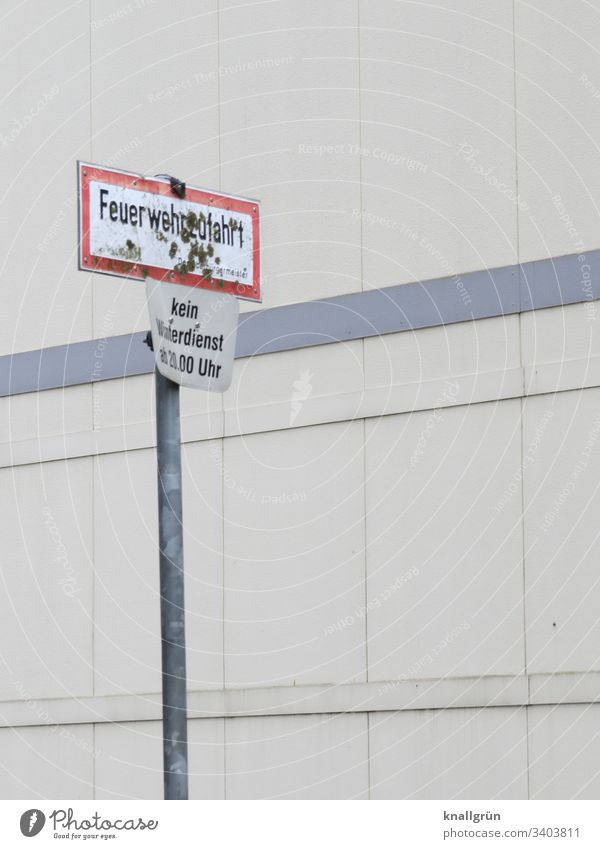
480 294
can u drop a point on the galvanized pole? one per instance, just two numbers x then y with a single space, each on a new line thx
172 611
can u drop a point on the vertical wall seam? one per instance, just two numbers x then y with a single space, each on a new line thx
360 142
93 417
90 96
219 90
365 567
222 441
220 157
369 753
364 427
94 760
523 398
523 550
223 609
93 570
515 130
527 708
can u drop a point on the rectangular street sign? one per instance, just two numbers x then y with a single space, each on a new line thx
135 226
193 334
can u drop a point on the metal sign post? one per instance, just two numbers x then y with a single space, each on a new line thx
198 251
193 334
172 608
193 338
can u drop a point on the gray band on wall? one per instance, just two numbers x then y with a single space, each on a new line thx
479 294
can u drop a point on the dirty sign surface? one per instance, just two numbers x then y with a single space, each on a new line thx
193 334
135 226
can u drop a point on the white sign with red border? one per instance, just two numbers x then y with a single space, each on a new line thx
135 226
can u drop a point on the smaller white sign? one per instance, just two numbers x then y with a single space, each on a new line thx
193 333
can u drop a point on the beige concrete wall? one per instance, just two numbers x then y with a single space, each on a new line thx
390 570
419 554
387 142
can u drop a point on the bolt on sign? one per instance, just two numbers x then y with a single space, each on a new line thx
193 333
135 226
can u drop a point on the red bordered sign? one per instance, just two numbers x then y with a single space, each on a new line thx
134 226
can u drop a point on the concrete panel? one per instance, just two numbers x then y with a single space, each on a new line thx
127 636
450 754
444 544
560 333
296 376
155 110
130 766
127 629
118 403
466 348
194 402
47 763
125 401
294 563
558 123
289 95
38 414
44 128
203 552
561 498
437 139
206 751
46 576
564 747
293 757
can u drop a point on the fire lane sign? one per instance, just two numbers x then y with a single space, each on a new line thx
135 226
